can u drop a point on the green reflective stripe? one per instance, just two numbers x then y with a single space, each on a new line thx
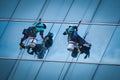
40 24
70 29
39 29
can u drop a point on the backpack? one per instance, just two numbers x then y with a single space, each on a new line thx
29 30
75 34
48 42
25 31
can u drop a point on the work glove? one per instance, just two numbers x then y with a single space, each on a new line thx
64 33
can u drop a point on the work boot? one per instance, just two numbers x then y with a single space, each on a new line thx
21 45
87 45
31 53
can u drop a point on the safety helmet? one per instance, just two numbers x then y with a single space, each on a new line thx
44 26
76 28
50 34
70 29
41 25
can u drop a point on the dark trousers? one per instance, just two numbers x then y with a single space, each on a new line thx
26 36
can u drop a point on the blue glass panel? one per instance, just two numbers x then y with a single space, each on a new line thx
2 27
89 14
112 54
107 72
82 30
56 10
28 9
80 72
78 10
108 11
50 71
7 7
5 68
26 70
9 45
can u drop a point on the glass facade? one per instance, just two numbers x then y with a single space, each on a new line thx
100 20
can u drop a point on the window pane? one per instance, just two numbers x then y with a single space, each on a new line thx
9 45
26 70
7 7
28 9
89 14
50 71
106 72
5 68
81 11
108 11
80 72
2 27
112 54
56 10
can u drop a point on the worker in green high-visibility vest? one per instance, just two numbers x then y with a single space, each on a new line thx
32 31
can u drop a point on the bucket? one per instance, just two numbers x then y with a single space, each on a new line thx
71 46
32 42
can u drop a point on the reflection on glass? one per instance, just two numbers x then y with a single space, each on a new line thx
28 9
107 72
7 8
112 53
